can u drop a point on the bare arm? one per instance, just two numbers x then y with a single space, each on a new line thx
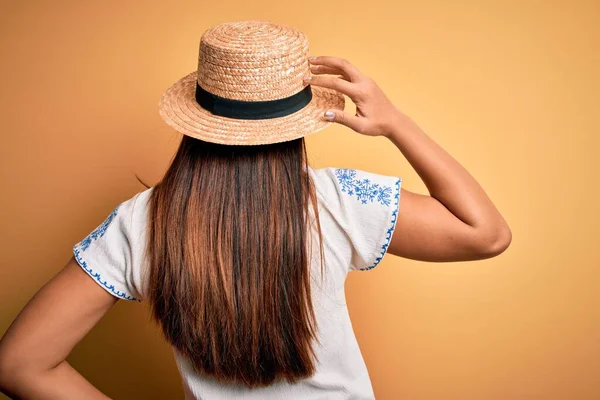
458 221
34 349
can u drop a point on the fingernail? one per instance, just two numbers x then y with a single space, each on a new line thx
312 58
307 78
329 115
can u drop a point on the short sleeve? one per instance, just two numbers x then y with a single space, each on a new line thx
106 253
365 205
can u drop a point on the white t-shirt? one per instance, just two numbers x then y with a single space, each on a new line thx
358 211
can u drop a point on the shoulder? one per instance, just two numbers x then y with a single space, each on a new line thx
112 253
126 217
135 208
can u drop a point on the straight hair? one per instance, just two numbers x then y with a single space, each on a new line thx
229 254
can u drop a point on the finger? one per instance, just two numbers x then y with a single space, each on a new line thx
324 69
351 121
333 82
339 63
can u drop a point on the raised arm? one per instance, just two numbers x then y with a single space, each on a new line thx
457 221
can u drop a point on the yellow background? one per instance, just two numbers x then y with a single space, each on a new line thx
509 88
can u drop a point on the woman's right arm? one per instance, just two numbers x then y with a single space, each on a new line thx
457 221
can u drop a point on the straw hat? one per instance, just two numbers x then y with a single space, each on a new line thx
248 88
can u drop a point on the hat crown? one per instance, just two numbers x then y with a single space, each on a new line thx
253 60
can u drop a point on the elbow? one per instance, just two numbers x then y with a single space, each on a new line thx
11 371
496 241
6 372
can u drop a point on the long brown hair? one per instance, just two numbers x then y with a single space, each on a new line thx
229 257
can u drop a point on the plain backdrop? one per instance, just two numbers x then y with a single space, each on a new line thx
509 88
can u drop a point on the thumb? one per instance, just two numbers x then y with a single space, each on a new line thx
351 121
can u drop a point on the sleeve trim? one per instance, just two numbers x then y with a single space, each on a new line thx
389 232
110 288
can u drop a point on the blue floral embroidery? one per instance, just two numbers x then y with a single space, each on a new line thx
363 189
366 191
85 244
388 235
99 231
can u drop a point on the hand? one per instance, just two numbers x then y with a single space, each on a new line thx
375 113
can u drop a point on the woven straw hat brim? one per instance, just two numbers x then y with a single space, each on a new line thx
179 109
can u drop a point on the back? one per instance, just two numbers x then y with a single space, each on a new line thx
357 210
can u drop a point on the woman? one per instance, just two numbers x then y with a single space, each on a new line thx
242 249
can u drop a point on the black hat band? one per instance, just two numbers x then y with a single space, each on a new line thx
241 109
